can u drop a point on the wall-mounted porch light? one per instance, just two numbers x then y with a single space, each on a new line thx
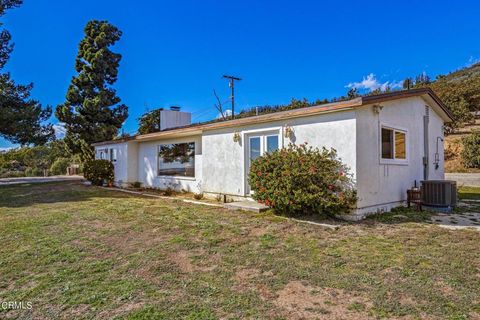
237 137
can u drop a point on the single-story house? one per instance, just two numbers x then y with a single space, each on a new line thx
389 141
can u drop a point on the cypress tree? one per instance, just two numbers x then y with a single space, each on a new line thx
92 111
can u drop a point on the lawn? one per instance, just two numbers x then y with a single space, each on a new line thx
84 252
469 193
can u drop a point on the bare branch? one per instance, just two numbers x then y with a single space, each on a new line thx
219 105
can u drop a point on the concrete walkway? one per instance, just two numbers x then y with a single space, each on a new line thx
10 181
246 206
464 179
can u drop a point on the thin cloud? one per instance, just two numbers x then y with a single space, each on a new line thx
371 83
60 130
472 60
5 149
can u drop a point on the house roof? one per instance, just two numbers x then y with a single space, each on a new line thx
426 93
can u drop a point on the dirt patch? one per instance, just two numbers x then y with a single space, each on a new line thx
182 260
445 288
301 301
243 276
247 279
122 309
257 231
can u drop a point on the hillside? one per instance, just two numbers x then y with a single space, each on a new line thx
460 90
453 149
464 82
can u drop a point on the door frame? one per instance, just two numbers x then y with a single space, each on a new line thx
262 133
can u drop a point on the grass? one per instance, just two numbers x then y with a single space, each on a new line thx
83 252
469 193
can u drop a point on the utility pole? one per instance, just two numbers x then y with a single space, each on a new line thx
232 87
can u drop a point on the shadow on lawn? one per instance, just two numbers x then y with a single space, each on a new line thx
27 194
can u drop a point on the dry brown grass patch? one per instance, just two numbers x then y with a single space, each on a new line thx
300 301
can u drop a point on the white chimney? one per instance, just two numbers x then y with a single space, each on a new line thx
174 118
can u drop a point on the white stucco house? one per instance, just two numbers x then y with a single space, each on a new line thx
389 141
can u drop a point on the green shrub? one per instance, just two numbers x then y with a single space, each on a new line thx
12 174
302 180
471 150
136 184
98 171
198 196
33 172
60 166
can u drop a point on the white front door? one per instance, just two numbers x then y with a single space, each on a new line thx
258 145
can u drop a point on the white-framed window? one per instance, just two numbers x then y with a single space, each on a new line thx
107 154
102 154
176 159
393 145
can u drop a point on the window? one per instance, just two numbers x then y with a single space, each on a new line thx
177 159
394 144
102 154
113 155
255 148
272 143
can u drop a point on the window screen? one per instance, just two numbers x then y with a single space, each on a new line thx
400 145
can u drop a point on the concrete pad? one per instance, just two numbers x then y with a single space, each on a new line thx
467 220
247 206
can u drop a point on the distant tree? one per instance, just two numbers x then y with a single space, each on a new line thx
407 83
459 108
149 122
92 112
20 116
422 79
471 150
353 93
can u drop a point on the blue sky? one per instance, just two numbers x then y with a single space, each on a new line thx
175 52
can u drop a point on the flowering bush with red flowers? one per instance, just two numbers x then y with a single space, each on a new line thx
303 180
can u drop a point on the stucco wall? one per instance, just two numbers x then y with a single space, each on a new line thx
436 130
148 166
383 186
132 167
224 160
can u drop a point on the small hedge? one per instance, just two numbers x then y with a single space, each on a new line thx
33 172
59 167
98 172
471 150
301 180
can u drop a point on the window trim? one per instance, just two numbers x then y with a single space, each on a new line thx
394 161
178 177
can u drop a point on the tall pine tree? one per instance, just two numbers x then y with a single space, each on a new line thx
21 117
92 112
149 122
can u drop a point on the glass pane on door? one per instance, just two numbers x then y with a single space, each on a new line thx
272 143
255 148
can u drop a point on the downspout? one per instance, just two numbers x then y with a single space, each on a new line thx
425 143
